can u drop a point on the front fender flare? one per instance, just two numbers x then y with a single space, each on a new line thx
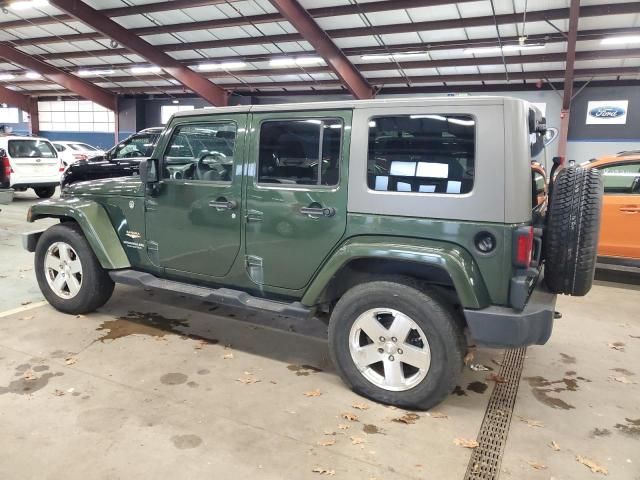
94 222
455 260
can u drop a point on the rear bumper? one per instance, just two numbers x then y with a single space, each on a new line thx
507 327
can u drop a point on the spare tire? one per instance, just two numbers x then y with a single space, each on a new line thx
573 227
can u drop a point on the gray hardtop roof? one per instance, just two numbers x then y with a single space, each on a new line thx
350 104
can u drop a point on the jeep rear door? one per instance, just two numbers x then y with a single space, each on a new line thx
193 217
296 194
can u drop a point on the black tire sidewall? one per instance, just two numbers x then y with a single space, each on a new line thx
44 192
438 324
96 287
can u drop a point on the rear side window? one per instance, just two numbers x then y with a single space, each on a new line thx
621 179
421 153
300 152
31 148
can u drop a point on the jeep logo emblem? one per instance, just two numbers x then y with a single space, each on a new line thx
606 112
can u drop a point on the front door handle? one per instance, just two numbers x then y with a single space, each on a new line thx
317 212
630 209
223 204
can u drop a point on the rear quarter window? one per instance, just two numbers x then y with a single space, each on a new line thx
432 153
31 148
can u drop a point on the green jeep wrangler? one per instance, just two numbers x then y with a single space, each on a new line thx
408 221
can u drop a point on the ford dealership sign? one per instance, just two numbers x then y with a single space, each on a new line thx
613 112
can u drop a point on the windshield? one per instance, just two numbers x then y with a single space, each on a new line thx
31 148
137 146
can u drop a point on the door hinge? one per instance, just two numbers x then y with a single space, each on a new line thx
254 268
254 216
150 205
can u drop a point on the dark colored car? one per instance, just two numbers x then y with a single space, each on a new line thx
122 160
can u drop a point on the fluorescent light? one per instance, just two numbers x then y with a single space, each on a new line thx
292 61
95 73
176 102
27 4
394 56
33 75
208 67
505 48
151 69
6 76
621 40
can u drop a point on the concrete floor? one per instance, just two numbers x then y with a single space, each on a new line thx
158 386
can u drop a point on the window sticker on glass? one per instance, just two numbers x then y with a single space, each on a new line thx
425 153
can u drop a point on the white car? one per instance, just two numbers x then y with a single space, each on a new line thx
70 152
29 162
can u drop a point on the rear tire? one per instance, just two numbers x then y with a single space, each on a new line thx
45 192
63 251
571 237
416 370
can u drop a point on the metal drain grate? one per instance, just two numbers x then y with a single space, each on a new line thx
486 458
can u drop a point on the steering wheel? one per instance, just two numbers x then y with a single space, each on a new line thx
132 154
205 171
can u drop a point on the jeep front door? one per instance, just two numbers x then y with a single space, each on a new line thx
193 217
296 194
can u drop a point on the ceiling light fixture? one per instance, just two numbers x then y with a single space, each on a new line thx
33 75
623 40
27 4
209 67
394 56
293 61
150 69
505 48
95 73
6 76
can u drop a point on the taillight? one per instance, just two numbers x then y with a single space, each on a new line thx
79 156
523 247
6 166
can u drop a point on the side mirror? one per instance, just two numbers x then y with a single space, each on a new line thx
149 171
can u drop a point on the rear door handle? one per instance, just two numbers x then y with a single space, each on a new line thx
317 212
223 204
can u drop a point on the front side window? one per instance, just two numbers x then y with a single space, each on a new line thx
421 153
201 152
137 146
300 152
31 149
621 179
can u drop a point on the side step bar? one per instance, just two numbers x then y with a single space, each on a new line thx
225 296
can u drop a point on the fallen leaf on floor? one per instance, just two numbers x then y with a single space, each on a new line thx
622 379
468 358
531 423
227 356
31 317
466 443
326 443
360 406
70 360
200 344
342 426
80 316
537 466
478 367
555 446
593 466
437 415
58 393
313 393
29 375
328 432
634 336
26 302
617 346
352 417
356 440
408 418
323 471
494 377
248 380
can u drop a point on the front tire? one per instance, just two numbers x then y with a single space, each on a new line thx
68 272
45 192
396 344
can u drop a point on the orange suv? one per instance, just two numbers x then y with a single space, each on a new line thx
619 246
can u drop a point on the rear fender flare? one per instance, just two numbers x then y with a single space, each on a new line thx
453 259
94 222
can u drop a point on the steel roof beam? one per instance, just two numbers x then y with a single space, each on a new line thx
431 25
567 95
82 87
190 79
13 98
304 23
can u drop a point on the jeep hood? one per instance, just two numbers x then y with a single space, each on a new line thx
119 186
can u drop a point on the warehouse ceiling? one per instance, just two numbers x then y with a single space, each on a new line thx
247 47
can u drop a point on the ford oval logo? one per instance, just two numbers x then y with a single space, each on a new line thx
606 112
